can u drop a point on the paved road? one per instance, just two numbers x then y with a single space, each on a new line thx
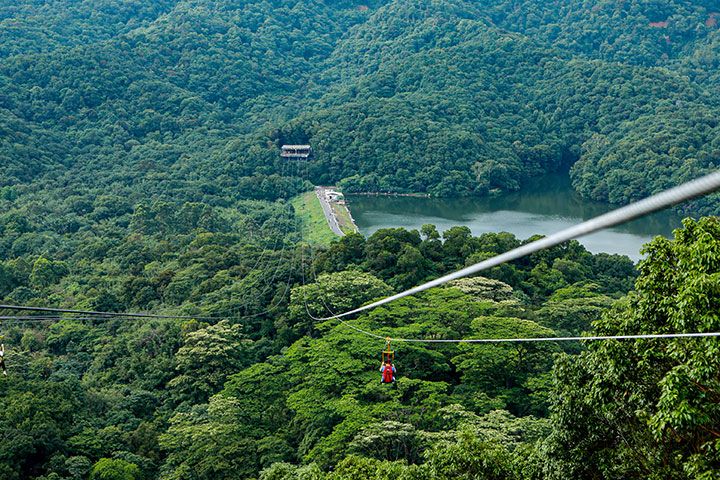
329 215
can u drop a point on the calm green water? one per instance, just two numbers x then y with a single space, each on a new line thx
546 206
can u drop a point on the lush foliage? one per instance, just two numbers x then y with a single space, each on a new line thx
449 97
139 171
648 409
162 395
174 399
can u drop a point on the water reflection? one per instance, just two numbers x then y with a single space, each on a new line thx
546 206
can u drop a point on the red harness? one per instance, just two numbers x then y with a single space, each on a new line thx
387 374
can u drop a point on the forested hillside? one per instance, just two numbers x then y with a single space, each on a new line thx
139 172
447 97
280 396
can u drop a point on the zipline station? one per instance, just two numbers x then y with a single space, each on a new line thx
295 152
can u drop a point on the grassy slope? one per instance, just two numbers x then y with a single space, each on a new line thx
342 213
315 228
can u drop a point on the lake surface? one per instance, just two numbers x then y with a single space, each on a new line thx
546 206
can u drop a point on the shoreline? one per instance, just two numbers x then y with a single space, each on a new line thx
389 194
338 214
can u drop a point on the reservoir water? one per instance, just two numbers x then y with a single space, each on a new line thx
546 206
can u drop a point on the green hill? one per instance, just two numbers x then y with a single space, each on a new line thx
139 172
447 97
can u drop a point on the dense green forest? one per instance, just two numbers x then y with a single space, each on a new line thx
448 97
139 172
279 396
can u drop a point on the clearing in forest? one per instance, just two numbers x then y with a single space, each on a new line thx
314 226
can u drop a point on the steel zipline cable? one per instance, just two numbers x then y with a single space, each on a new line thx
681 193
323 293
97 315
648 336
278 263
701 186
85 315
686 191
104 314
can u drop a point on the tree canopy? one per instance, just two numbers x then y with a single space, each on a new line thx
140 171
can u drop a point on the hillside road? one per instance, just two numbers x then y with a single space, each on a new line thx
327 209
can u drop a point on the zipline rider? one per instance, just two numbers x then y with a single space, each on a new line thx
2 358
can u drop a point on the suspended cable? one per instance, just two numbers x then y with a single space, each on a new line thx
104 314
686 191
560 339
12 320
262 256
30 317
278 264
95 315
273 308
322 291
71 316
